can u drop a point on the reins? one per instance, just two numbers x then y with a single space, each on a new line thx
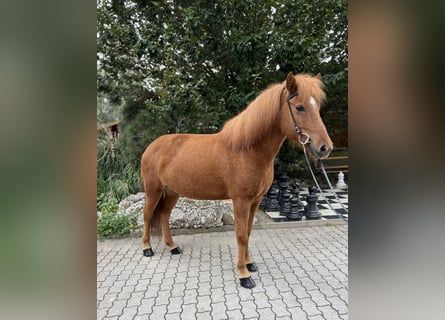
306 141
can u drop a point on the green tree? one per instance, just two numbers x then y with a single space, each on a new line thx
188 66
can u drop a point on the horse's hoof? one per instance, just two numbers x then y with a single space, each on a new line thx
252 267
148 252
247 282
176 250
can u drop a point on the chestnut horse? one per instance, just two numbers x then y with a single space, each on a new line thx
236 163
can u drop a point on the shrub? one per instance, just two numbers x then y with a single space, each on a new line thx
116 177
112 224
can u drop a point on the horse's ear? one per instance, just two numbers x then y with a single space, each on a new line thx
318 76
291 84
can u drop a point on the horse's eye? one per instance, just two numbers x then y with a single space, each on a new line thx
300 108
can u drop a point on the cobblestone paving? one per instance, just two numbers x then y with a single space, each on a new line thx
302 275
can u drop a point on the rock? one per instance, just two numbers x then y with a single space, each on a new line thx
188 213
228 219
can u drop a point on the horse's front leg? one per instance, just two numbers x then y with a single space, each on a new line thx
250 264
241 208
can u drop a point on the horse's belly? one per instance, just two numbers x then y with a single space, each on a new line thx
195 179
197 187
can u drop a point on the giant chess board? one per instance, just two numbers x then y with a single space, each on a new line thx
325 211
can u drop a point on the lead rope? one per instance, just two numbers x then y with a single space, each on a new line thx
329 183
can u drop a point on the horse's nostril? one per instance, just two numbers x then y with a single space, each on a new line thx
323 148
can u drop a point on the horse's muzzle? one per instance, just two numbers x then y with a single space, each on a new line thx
321 152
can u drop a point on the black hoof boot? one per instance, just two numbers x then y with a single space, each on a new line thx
247 283
252 267
148 252
176 250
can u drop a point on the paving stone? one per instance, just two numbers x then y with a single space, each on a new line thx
272 292
117 308
125 293
129 313
333 282
204 303
135 298
338 305
218 310
159 312
318 298
217 295
329 313
163 297
326 289
290 300
309 307
204 288
232 301
279 308
152 291
188 311
101 313
248 309
175 305
316 317
202 283
282 285
299 291
261 300
146 306
266 313
142 285
343 294
172 316
235 314
203 315
245 295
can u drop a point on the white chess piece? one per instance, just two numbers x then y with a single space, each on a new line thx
341 182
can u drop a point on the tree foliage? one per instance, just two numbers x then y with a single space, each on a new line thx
188 66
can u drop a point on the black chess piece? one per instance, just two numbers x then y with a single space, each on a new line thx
263 203
283 183
285 206
295 213
296 195
272 201
311 210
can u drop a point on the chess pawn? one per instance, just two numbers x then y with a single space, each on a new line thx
311 210
296 195
294 213
285 207
341 181
272 203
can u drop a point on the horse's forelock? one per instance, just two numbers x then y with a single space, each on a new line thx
310 87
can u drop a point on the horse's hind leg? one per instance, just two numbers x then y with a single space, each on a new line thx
166 206
153 196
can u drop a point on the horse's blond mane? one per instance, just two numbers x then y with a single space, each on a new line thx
247 128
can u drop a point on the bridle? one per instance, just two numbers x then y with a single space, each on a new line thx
307 141
297 128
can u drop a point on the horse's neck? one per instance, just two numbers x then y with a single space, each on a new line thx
270 146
